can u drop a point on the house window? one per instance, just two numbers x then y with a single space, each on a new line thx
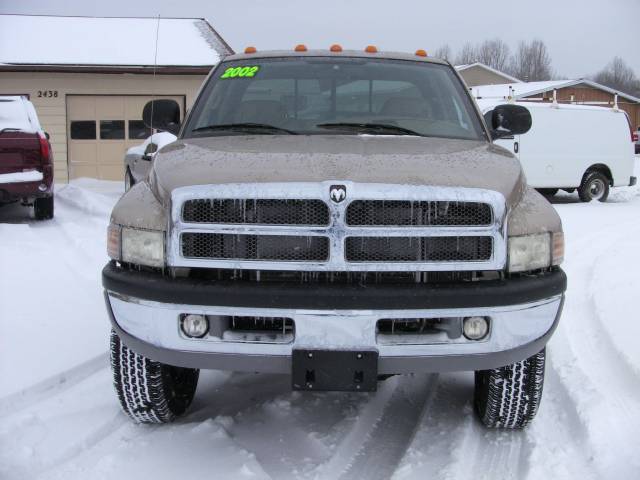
83 130
138 130
111 129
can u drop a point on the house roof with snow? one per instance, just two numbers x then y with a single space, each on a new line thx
462 68
39 42
528 89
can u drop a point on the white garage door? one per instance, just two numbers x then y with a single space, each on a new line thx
101 128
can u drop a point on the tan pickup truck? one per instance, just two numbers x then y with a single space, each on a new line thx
339 216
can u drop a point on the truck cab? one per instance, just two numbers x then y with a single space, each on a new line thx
340 216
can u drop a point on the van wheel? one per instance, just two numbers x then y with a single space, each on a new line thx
129 181
43 208
150 391
508 397
548 192
595 186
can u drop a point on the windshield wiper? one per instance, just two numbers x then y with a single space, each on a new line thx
373 128
246 127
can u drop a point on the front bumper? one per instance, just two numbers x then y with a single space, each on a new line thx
145 310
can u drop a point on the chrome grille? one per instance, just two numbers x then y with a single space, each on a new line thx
417 213
254 247
298 227
418 249
258 211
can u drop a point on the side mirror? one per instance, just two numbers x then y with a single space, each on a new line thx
162 115
508 119
47 136
151 149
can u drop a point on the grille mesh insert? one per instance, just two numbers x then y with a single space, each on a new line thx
254 247
262 211
418 213
418 249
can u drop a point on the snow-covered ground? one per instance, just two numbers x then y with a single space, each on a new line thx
59 417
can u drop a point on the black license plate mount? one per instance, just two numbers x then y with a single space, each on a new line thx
334 370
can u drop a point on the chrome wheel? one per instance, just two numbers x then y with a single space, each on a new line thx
596 189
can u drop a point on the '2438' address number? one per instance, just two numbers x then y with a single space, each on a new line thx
47 93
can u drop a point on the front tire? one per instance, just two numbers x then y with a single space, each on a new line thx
150 391
43 208
509 397
595 186
129 181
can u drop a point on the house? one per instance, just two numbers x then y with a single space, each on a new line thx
481 74
89 78
580 92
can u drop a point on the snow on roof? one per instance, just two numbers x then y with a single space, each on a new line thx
50 40
527 89
461 68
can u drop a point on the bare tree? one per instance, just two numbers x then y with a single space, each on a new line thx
531 62
444 52
468 54
619 76
494 53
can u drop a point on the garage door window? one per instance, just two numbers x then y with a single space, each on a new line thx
111 129
83 130
138 130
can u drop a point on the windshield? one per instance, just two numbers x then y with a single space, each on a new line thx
318 95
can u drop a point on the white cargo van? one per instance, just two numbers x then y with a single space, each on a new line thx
573 147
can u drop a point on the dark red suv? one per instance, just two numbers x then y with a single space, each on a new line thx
26 161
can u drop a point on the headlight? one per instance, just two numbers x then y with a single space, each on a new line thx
532 252
140 247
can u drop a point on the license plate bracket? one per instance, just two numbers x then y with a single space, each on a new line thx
334 370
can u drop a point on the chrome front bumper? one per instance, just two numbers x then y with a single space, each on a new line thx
152 329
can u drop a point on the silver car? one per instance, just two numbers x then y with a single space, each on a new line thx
137 160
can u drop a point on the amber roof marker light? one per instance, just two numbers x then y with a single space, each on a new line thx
335 48
250 50
371 49
300 48
421 53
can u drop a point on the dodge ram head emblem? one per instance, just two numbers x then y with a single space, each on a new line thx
337 193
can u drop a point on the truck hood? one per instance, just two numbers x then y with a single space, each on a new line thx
316 158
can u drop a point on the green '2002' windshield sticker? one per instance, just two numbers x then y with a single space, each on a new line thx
240 72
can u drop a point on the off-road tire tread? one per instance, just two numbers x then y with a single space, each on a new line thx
509 397
150 391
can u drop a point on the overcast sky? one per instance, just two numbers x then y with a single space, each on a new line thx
582 35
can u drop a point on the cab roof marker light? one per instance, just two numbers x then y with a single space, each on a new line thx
250 50
371 49
301 47
335 48
421 53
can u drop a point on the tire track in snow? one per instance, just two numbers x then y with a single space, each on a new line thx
383 430
75 450
54 385
592 362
